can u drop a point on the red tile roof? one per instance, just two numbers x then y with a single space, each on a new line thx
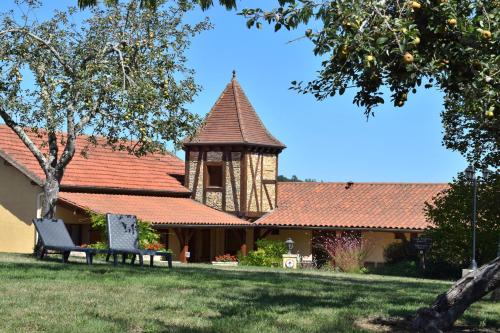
233 120
159 210
102 169
362 205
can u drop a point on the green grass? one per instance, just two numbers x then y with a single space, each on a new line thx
51 297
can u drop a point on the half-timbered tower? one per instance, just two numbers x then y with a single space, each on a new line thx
232 160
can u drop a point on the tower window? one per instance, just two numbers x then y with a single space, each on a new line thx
214 175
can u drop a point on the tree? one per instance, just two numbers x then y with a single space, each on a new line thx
451 45
367 45
294 178
120 74
152 4
451 214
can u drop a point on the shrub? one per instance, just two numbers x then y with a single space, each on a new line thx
347 253
147 235
269 253
399 251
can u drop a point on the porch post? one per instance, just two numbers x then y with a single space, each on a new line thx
183 235
243 249
182 255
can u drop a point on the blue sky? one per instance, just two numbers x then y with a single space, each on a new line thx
329 140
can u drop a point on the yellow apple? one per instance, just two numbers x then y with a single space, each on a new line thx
415 5
486 34
408 58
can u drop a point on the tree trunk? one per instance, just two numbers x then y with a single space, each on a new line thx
449 306
51 193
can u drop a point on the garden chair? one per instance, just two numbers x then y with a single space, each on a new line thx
123 238
54 236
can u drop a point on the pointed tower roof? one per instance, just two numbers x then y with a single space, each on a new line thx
233 120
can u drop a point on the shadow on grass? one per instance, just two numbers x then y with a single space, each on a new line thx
243 296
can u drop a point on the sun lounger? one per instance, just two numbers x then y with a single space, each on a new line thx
123 239
55 237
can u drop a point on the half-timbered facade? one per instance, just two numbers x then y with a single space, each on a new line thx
232 160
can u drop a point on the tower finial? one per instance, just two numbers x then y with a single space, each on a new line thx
234 74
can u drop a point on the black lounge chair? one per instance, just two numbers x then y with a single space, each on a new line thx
123 238
55 237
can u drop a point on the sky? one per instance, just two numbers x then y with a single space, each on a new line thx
329 140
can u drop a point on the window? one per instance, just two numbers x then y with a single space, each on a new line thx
214 175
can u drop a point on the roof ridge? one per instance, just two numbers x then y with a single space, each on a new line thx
237 102
100 144
272 137
363 183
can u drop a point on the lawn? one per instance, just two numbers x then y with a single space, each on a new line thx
48 296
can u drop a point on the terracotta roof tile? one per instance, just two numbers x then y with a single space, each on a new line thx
233 120
158 210
103 167
362 205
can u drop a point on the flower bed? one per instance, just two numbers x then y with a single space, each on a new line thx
225 260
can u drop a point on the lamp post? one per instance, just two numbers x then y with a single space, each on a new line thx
470 173
289 242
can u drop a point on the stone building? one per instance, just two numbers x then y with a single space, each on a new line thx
222 199
232 160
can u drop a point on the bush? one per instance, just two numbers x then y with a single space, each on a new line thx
269 253
399 251
147 235
346 253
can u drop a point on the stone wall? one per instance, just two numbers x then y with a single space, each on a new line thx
269 164
254 184
193 168
260 196
233 182
214 200
264 168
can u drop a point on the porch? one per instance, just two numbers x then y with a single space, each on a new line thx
203 244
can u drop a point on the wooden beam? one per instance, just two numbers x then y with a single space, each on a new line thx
265 234
268 196
276 183
254 184
261 179
243 182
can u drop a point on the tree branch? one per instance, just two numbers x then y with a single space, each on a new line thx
69 149
21 133
42 41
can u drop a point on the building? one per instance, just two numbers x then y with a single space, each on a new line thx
222 199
